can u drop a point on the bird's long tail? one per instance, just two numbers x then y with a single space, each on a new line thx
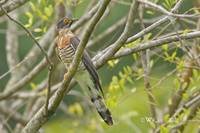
100 105
92 90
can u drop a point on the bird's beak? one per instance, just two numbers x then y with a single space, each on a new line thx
74 19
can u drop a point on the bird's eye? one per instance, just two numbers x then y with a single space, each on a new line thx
65 20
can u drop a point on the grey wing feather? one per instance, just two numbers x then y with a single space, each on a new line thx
88 63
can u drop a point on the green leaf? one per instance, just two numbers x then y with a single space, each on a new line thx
69 3
110 63
39 13
178 46
37 30
29 15
45 29
167 55
181 116
129 80
79 109
126 72
27 25
192 80
185 96
185 31
188 112
173 56
151 63
135 56
181 64
195 73
79 2
47 11
167 2
152 125
38 1
44 17
32 6
121 74
165 5
129 69
140 71
138 78
33 86
133 90
136 42
163 129
38 37
130 45
45 92
170 101
44 2
115 79
116 61
121 85
149 12
108 103
166 117
184 85
50 8
193 88
148 36
165 47
30 21
176 82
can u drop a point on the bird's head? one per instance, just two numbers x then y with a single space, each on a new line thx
65 23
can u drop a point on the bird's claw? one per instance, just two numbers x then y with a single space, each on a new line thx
69 70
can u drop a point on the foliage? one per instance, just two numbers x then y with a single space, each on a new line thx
145 74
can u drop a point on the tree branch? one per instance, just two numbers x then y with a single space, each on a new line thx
12 5
155 43
122 39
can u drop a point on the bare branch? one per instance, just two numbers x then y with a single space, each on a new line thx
156 43
12 5
28 77
122 39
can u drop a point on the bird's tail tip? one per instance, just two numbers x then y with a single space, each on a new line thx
106 117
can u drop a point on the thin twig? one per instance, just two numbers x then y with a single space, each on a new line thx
15 67
48 91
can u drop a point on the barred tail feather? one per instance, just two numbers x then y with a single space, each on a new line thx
86 82
100 106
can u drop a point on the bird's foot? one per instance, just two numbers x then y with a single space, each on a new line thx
69 69
65 76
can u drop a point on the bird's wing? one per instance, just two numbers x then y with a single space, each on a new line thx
88 63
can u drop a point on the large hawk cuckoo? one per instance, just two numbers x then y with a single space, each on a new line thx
86 74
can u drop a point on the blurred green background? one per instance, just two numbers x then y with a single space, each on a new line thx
132 104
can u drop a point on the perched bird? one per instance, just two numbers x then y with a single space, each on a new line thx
86 74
